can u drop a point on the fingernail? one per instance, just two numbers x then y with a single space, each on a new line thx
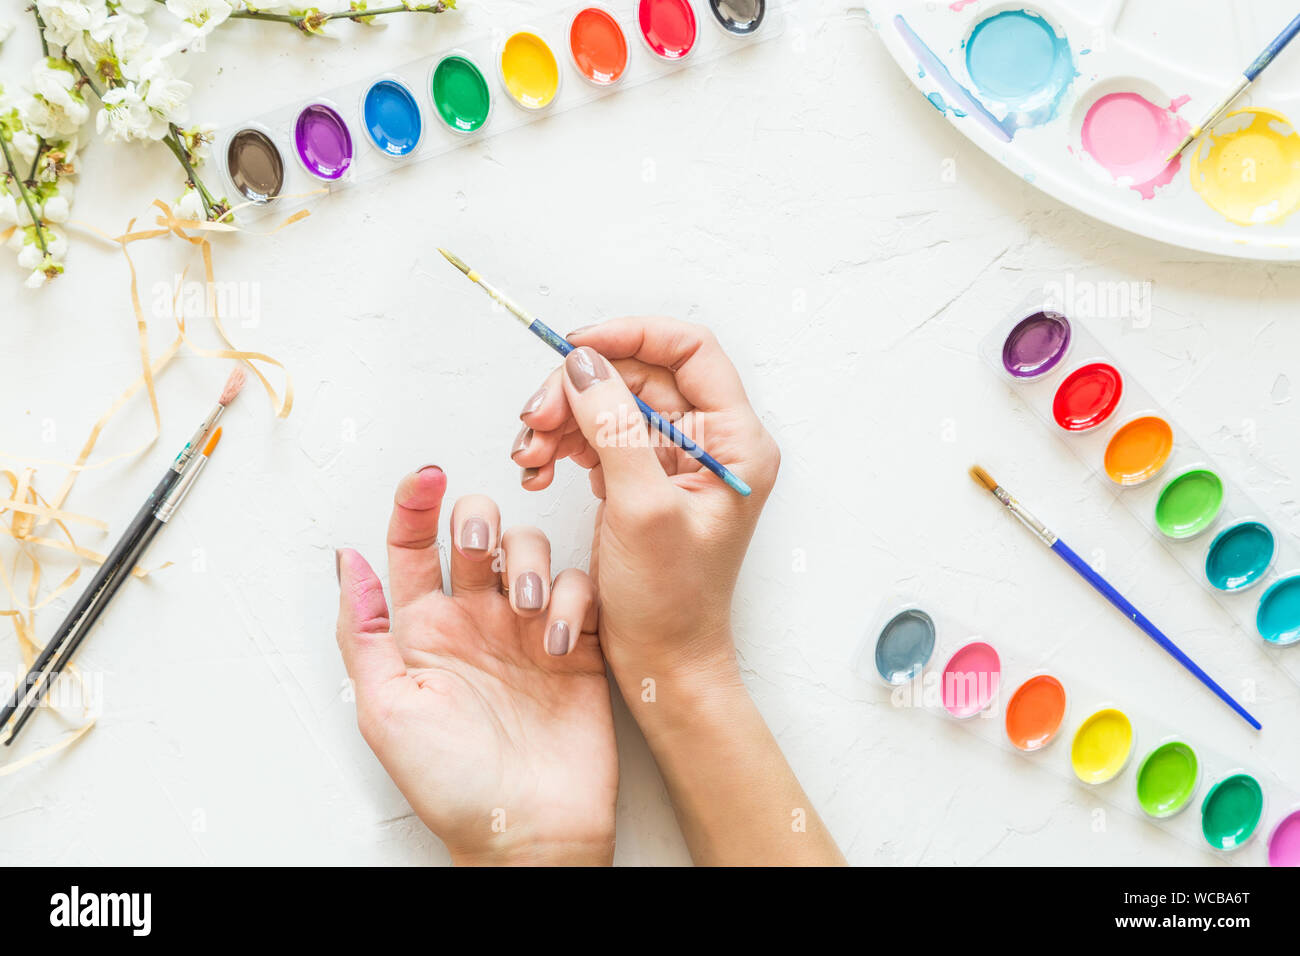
557 639
521 440
586 367
530 473
528 592
338 565
579 330
426 468
474 534
534 403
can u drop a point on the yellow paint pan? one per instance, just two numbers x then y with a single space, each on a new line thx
529 70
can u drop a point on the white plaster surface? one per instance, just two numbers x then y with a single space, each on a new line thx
799 207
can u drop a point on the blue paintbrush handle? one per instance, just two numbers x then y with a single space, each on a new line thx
1273 49
657 421
1153 632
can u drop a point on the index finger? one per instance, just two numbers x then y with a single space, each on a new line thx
705 376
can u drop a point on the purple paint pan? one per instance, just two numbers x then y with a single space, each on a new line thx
323 142
1036 345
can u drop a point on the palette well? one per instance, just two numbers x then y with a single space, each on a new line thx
1136 452
479 88
1086 100
1136 762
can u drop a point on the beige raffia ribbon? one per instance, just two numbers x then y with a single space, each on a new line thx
24 511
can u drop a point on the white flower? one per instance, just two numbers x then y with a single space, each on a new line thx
57 244
37 279
55 209
19 237
201 13
125 117
190 206
126 35
66 19
31 256
8 210
25 145
164 93
57 108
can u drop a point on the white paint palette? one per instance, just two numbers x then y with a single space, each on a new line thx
1085 98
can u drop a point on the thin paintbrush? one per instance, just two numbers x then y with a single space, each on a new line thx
161 514
557 342
1242 85
1050 538
129 537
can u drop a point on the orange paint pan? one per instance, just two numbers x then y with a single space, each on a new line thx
1138 450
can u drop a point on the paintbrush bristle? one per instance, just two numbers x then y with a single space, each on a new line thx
454 261
233 385
983 478
212 443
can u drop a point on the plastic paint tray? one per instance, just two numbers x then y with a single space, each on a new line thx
1159 50
368 162
1143 500
1082 701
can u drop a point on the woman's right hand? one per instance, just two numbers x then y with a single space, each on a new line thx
670 536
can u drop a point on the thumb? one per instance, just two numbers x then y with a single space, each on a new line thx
369 651
613 425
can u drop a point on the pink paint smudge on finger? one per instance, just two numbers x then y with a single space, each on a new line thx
1129 137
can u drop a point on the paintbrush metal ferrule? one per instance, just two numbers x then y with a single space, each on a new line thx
1027 518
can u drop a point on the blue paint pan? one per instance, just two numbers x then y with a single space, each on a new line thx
392 117
904 646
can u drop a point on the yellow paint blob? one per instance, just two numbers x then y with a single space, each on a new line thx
1248 167
1101 746
529 70
1139 450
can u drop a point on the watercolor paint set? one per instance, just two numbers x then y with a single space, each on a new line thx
1086 99
478 88
1136 451
1133 762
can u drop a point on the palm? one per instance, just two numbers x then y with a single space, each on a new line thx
498 732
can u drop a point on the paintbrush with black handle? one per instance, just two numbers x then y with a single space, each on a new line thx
124 546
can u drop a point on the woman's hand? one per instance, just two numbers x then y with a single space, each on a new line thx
670 536
490 713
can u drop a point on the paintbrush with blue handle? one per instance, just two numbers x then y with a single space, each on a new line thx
1081 567
557 342
1242 85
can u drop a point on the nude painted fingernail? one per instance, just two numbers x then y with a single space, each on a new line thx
586 367
534 403
557 639
420 471
579 330
474 534
521 440
530 473
338 565
528 591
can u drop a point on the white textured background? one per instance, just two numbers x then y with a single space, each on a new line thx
798 208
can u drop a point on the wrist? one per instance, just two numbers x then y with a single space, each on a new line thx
688 688
534 853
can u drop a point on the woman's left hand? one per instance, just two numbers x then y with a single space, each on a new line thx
491 712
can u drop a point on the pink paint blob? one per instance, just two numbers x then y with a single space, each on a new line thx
970 679
959 5
1284 844
1129 136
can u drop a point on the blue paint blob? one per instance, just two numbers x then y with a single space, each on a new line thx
904 646
1278 617
960 96
392 118
1017 60
936 100
1239 556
